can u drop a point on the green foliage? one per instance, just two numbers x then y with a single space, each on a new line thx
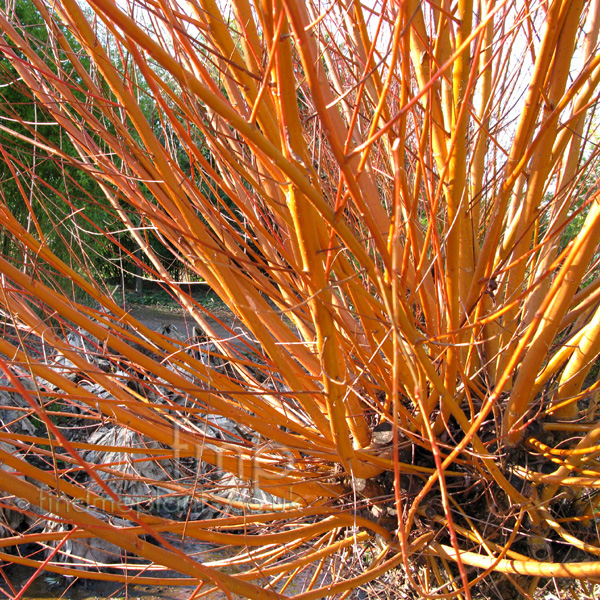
55 199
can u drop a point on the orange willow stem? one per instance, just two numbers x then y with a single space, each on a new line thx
353 582
521 138
581 570
550 314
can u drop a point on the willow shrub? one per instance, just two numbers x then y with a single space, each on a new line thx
398 202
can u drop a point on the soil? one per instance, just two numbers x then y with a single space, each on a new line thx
154 318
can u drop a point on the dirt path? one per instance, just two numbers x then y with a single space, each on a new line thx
155 318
